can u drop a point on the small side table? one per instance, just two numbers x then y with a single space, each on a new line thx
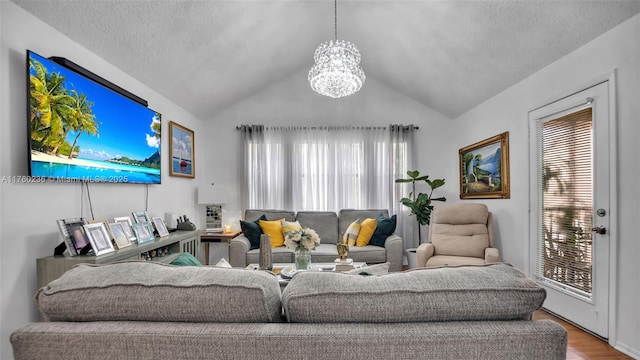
208 238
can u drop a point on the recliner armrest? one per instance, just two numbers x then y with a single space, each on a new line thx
238 248
491 255
423 253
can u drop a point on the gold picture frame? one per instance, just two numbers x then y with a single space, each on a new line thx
484 169
118 229
181 151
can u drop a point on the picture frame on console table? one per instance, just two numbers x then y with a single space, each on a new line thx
119 234
141 217
484 169
99 238
106 225
182 151
160 227
73 234
127 226
144 232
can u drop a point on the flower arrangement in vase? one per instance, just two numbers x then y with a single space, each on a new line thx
301 241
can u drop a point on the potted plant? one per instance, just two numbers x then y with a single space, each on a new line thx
420 204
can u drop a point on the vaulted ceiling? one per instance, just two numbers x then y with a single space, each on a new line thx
448 55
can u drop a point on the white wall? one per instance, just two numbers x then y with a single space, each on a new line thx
29 211
292 102
617 49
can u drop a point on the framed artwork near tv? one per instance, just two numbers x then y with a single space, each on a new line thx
484 169
181 151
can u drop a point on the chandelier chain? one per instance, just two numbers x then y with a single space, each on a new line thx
335 18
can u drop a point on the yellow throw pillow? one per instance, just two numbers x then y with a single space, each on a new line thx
351 234
290 226
273 229
367 228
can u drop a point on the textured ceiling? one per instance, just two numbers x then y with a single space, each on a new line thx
448 55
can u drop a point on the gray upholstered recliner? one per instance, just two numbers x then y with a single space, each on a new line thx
459 234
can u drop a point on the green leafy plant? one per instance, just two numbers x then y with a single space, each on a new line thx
420 203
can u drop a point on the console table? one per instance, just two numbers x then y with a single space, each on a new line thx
52 267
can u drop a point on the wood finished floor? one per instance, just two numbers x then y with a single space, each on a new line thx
581 344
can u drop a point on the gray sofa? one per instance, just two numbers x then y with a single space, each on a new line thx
329 226
142 310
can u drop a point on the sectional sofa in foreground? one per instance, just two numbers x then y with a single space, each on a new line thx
141 310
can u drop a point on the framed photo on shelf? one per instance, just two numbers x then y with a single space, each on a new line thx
99 238
161 228
484 169
181 152
126 225
119 236
106 225
141 217
144 232
73 234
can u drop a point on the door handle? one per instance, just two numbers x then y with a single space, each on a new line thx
599 230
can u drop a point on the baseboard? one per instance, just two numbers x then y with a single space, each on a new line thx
627 350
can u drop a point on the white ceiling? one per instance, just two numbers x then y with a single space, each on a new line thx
448 55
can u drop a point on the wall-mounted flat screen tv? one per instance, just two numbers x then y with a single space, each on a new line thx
80 130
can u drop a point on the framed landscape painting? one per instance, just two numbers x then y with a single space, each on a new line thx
181 152
484 169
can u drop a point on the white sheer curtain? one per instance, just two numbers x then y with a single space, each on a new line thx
328 168
402 146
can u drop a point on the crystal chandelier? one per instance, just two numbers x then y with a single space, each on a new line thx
336 72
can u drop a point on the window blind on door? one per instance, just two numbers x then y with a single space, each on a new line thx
565 181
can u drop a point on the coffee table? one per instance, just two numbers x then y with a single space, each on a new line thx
320 267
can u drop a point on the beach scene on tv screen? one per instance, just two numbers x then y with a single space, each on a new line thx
83 131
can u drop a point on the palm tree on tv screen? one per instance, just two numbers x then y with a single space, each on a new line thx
84 119
51 101
57 111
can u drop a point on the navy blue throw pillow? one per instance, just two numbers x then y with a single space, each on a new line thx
386 226
252 230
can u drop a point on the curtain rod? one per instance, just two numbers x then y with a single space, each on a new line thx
405 127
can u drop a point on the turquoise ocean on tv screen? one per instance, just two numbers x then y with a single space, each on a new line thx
103 172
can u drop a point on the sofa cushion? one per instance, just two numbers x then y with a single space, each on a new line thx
279 255
367 228
252 231
460 240
254 214
186 259
149 291
460 230
351 234
384 228
347 216
325 223
491 292
288 226
274 230
369 254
